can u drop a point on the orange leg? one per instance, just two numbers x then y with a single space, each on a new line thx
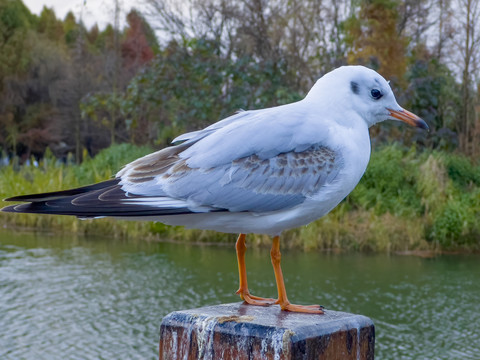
242 272
282 293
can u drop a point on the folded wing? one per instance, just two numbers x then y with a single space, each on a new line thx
206 173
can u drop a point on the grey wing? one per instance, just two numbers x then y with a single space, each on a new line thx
246 184
162 184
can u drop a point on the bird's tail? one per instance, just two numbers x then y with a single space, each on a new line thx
98 200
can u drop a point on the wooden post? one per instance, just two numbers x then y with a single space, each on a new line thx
238 331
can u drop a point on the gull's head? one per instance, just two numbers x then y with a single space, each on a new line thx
363 91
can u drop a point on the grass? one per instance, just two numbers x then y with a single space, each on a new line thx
406 201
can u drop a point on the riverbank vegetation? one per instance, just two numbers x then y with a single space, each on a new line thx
407 200
73 97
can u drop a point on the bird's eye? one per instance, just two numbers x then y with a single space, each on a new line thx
376 94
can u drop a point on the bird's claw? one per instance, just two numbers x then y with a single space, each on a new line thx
311 309
254 300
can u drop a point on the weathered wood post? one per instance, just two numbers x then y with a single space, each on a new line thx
238 331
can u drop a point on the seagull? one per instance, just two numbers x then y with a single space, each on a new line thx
257 171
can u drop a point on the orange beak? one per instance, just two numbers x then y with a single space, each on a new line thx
409 118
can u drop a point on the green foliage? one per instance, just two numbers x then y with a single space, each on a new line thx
389 184
463 173
434 95
433 184
15 23
49 25
406 201
107 162
71 29
456 225
447 227
441 189
191 84
14 15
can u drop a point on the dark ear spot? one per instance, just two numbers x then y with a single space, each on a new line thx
355 88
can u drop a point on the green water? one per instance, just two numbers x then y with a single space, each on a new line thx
76 298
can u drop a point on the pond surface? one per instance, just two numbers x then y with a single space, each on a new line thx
77 298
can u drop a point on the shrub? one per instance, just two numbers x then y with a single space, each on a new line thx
389 184
462 171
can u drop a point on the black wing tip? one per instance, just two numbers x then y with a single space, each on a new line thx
41 197
41 208
9 209
20 198
93 201
27 208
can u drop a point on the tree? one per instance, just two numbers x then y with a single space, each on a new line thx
191 84
468 45
49 25
445 28
132 52
15 23
304 37
433 94
136 49
30 100
374 39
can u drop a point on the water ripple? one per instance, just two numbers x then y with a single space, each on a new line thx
83 299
